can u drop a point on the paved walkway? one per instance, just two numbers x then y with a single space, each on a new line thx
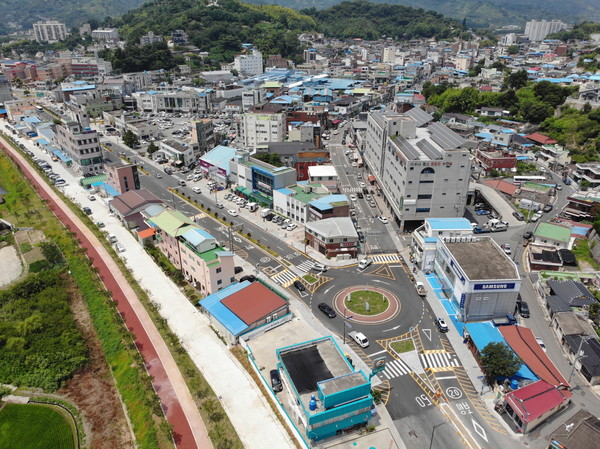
176 400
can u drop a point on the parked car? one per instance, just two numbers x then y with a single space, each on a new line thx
518 215
441 325
506 248
541 343
383 219
119 247
523 309
548 207
327 310
291 227
87 210
92 198
360 195
483 212
196 189
276 381
352 197
249 278
299 285
528 235
158 175
100 224
233 212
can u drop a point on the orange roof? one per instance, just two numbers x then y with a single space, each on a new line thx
144 234
502 186
523 342
541 139
253 303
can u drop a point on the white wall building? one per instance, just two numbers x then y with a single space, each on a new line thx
174 101
537 30
422 171
177 151
50 31
249 65
425 237
150 38
81 145
106 34
389 54
259 127
326 175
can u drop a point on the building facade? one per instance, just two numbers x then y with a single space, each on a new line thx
333 237
264 126
203 134
82 146
250 64
122 177
50 31
537 30
5 90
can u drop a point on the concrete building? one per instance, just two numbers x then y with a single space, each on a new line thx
194 251
422 171
305 202
150 38
216 163
587 173
250 64
5 90
245 310
80 144
479 279
261 126
203 134
177 151
326 175
425 238
122 177
333 237
106 34
537 30
174 101
327 394
129 207
50 31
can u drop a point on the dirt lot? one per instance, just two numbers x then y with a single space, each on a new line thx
94 393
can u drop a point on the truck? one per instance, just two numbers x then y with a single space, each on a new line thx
420 288
494 225
252 206
265 212
508 320
359 338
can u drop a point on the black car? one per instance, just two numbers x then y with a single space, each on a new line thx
361 237
528 235
299 286
360 195
249 278
523 308
327 310
276 381
87 210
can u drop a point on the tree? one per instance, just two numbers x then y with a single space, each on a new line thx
513 49
130 139
152 148
537 112
499 361
516 80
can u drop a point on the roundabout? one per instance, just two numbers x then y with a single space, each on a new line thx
366 304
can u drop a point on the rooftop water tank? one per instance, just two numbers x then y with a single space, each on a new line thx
312 404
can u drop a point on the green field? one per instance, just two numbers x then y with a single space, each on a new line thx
33 427
403 346
357 302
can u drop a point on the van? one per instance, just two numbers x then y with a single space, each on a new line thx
252 206
196 189
265 212
359 338
518 215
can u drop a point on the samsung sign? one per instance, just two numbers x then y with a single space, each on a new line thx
505 286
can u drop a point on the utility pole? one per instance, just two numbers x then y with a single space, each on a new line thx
578 355
231 229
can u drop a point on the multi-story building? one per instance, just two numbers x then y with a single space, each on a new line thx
496 160
262 124
588 173
5 90
122 177
174 101
106 34
179 37
81 144
203 134
193 251
422 171
250 64
333 237
150 38
305 202
177 151
50 31
537 30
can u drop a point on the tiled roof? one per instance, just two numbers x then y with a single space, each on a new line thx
535 400
253 303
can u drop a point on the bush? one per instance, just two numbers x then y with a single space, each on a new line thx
39 265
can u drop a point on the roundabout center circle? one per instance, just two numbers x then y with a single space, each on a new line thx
366 302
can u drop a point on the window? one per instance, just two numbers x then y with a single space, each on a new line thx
423 182
423 209
428 171
424 197
218 270
219 282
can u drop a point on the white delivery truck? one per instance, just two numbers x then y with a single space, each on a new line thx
264 212
359 338
252 207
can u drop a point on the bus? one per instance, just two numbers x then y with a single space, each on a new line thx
39 108
518 180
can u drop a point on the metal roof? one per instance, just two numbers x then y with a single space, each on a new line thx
406 148
419 115
429 149
445 137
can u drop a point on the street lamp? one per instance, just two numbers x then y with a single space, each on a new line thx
346 318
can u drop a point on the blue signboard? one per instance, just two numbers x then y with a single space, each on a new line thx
497 286
463 297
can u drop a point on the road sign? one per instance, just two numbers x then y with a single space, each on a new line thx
427 333
378 365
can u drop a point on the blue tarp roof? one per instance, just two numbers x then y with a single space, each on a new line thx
484 333
59 154
325 202
455 224
197 236
285 191
106 187
226 317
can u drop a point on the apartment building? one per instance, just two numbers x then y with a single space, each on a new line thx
106 34
203 134
194 251
81 144
150 38
420 167
173 101
5 90
537 30
262 125
587 173
50 31
250 64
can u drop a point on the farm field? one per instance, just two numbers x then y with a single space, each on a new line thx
34 427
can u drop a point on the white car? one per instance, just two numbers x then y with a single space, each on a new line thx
233 212
220 206
119 247
363 264
291 227
362 185
319 267
353 197
541 343
196 189
92 198
383 219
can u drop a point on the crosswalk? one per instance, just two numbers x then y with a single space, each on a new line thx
438 359
351 189
385 258
305 266
285 278
395 368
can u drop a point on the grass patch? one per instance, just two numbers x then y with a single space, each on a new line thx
582 252
357 302
34 427
25 247
310 279
403 346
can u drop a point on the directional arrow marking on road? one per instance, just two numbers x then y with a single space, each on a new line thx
427 333
480 430
392 329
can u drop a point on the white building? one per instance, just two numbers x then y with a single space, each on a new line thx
262 126
81 145
177 151
249 65
106 34
326 175
173 101
422 171
150 38
389 54
139 80
425 237
50 31
477 276
537 30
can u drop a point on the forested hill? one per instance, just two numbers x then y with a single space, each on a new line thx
21 14
370 21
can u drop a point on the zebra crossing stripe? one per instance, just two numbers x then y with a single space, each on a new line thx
438 360
285 278
305 266
395 368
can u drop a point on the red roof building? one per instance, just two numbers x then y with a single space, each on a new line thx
502 186
254 303
530 406
540 139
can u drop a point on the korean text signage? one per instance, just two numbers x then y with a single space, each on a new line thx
497 286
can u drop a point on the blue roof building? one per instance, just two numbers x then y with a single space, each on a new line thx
424 238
